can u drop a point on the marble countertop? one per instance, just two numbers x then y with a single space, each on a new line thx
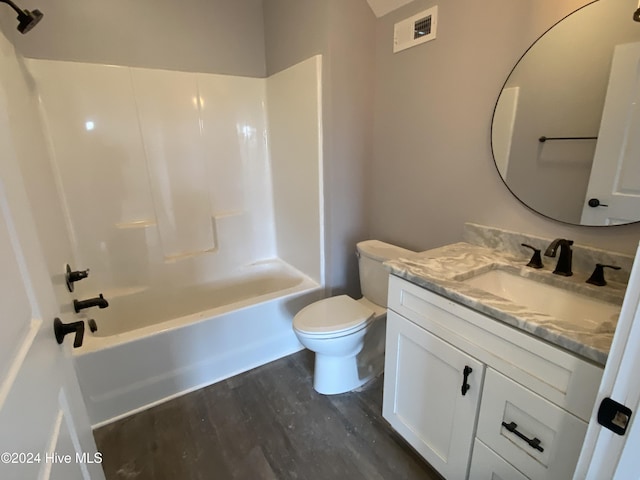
443 270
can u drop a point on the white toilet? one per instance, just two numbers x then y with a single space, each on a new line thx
348 335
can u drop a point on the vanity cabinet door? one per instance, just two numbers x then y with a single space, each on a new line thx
423 395
488 465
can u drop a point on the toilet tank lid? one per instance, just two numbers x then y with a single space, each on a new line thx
381 251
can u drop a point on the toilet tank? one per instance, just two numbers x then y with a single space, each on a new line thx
374 276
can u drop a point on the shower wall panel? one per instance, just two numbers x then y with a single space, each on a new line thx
169 110
100 166
224 110
295 132
165 176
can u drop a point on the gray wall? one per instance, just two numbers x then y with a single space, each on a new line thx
212 36
294 31
432 163
344 33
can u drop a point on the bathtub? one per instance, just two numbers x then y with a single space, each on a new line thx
155 344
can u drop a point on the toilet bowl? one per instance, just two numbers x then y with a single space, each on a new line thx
348 335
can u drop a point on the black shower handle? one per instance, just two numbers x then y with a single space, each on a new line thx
62 329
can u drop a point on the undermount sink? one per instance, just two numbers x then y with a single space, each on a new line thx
575 308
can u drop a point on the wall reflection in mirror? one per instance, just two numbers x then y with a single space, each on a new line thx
578 86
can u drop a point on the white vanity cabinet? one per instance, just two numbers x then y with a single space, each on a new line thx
440 427
525 407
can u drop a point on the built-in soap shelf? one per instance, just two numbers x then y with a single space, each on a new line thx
171 258
136 224
152 223
186 255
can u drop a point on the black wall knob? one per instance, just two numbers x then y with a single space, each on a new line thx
62 329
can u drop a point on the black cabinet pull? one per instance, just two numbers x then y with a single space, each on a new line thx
61 329
465 386
533 442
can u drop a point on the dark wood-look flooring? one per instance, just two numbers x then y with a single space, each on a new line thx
268 423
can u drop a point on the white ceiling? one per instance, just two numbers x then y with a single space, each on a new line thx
382 7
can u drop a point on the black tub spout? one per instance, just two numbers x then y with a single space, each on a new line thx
99 302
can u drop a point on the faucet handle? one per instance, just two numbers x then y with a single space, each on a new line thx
72 276
597 277
536 259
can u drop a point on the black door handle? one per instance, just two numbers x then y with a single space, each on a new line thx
594 202
533 442
61 329
465 386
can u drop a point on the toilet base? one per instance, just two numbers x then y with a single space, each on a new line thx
333 375
347 363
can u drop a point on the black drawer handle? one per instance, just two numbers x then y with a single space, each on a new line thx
533 442
465 386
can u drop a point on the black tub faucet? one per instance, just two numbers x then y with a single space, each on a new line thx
98 301
563 267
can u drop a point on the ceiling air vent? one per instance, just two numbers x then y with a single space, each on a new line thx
415 30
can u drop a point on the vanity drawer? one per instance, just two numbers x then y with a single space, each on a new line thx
560 434
557 375
488 465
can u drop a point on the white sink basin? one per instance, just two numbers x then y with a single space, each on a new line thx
588 313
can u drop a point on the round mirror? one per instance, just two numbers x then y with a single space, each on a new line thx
566 129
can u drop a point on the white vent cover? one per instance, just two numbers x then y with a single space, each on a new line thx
415 30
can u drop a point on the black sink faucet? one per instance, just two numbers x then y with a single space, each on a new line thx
563 267
99 302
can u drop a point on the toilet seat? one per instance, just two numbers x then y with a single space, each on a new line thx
332 316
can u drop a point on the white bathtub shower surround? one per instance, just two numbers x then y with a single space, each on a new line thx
196 201
166 177
246 324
